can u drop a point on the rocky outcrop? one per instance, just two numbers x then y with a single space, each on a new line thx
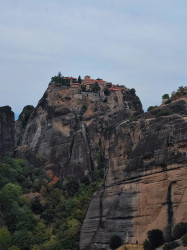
66 127
22 121
7 131
145 186
146 170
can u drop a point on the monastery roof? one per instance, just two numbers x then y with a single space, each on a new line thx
73 78
115 89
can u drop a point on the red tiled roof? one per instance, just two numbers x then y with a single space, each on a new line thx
67 77
115 89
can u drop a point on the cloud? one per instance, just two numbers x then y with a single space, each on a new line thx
139 43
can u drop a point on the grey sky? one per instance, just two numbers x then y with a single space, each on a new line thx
139 43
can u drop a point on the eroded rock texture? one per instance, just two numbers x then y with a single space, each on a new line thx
7 131
66 127
145 186
146 171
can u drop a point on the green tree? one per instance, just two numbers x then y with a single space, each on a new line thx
5 238
152 107
83 88
165 96
22 239
95 87
133 91
14 191
79 79
154 239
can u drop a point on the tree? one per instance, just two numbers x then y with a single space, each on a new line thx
154 239
165 96
95 87
79 79
59 74
22 239
152 107
83 88
5 238
115 242
132 91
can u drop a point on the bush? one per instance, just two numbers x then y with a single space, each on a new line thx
115 242
179 230
171 245
154 239
165 96
132 91
184 240
163 113
152 107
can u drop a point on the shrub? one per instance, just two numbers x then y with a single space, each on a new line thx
165 96
152 107
163 113
132 91
184 240
154 239
171 245
115 242
179 230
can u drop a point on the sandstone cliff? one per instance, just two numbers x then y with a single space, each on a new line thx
66 127
145 186
7 131
146 170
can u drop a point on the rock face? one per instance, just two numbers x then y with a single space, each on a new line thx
7 131
145 186
146 155
66 127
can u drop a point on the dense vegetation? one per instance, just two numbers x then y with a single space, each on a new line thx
59 80
38 211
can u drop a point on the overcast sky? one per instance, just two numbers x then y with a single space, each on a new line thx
139 43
